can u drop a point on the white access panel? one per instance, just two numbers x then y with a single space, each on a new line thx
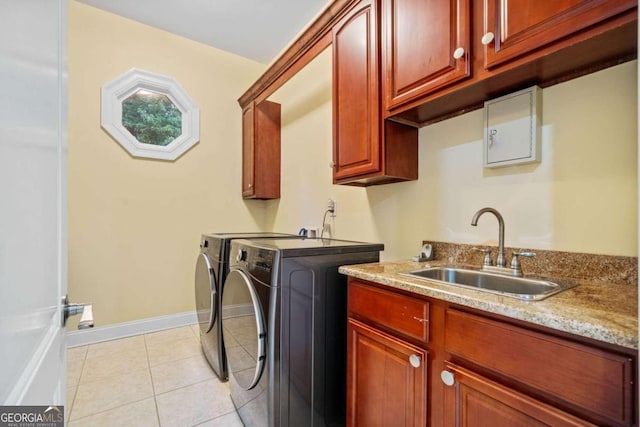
512 128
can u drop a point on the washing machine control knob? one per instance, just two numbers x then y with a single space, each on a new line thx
242 255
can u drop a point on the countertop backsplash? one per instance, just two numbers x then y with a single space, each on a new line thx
609 269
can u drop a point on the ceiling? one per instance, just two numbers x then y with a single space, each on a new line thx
255 29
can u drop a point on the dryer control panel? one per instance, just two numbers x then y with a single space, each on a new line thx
258 262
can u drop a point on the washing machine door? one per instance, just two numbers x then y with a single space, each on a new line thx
244 329
206 293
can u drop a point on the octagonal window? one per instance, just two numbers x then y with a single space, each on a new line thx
150 115
151 118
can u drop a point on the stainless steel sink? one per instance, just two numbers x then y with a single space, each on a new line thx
510 286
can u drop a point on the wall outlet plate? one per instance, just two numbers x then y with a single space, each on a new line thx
331 206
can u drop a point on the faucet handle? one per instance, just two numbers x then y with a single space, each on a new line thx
487 255
515 262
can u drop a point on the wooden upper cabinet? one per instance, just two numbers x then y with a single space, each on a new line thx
510 44
355 90
514 28
367 150
420 40
261 151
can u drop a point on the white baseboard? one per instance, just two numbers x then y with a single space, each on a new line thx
128 329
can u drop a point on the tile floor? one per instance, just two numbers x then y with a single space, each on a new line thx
157 379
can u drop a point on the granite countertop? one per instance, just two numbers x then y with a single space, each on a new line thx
603 312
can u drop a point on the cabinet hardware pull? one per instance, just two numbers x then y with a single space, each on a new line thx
447 378
487 38
420 320
458 53
414 360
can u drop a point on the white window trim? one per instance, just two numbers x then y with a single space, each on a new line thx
119 89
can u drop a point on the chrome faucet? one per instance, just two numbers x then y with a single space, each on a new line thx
501 265
500 262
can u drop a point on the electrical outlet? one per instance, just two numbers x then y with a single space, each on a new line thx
331 207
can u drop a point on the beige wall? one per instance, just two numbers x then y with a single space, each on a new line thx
582 197
135 224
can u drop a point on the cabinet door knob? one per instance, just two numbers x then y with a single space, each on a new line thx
447 377
414 360
420 320
487 38
458 53
332 165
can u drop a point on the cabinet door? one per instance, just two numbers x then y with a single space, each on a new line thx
356 138
472 400
261 151
595 382
420 39
386 379
519 27
248 151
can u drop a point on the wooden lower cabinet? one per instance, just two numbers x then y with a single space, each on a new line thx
475 401
419 361
595 383
386 379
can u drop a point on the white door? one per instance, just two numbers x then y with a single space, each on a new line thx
33 121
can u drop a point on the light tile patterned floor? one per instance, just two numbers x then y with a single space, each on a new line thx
158 379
